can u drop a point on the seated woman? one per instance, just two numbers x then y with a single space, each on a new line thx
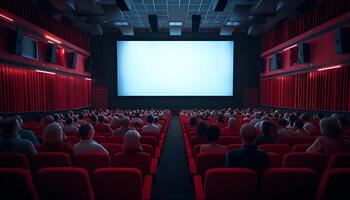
330 141
54 140
212 135
298 128
132 142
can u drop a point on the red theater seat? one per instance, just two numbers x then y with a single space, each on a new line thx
115 139
289 184
16 184
14 160
73 139
149 140
300 147
112 148
275 160
227 140
91 161
147 148
233 146
60 183
198 140
280 149
315 161
293 140
49 159
205 161
121 183
339 160
334 185
227 184
100 138
139 160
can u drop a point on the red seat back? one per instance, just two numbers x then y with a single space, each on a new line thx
139 160
16 184
198 140
91 161
227 140
339 160
315 161
300 147
147 148
280 149
151 140
115 139
63 183
334 185
14 160
117 183
205 161
49 159
73 139
230 183
289 184
293 140
275 160
113 148
100 138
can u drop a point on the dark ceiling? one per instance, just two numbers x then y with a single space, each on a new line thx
250 16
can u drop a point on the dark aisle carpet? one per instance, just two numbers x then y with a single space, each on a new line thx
173 180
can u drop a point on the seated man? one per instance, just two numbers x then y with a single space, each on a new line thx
11 141
101 126
26 134
231 127
124 127
212 135
86 143
247 156
150 127
267 133
137 121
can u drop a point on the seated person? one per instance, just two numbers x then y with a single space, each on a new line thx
193 121
248 156
25 134
150 127
309 128
101 126
330 141
231 127
137 121
70 127
220 122
132 142
283 130
212 134
81 119
156 122
267 134
11 142
298 128
86 143
124 127
54 140
114 123
48 120
201 129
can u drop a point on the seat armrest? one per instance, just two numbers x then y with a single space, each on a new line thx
154 166
192 165
198 187
189 152
158 152
147 187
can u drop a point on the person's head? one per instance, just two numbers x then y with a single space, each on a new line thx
137 115
330 127
56 117
286 116
19 119
101 118
257 115
81 116
114 121
48 120
309 128
69 121
53 134
150 119
201 129
131 141
124 122
94 118
10 126
193 121
232 122
298 125
282 123
248 134
220 117
292 119
213 133
267 127
156 119
305 117
86 132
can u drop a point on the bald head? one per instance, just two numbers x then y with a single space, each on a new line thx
248 133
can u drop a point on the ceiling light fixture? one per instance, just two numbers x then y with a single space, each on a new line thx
6 18
332 67
53 39
290 47
45 72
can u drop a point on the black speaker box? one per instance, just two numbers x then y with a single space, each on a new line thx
73 60
51 53
342 40
219 5
303 53
276 62
15 40
88 65
262 65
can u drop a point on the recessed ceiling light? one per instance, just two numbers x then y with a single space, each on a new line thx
233 23
121 23
175 23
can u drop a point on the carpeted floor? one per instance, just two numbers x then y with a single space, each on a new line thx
173 180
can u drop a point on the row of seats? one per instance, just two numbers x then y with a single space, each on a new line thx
274 184
142 161
71 183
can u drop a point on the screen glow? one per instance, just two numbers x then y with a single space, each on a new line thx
175 68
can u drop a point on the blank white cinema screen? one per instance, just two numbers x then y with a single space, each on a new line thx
175 68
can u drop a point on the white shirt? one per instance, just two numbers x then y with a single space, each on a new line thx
88 146
150 128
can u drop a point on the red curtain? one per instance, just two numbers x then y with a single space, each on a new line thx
24 90
321 11
319 90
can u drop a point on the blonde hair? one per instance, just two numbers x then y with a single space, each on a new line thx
114 122
53 134
132 141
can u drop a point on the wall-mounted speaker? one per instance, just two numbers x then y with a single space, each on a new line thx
88 65
342 40
153 22
73 60
15 41
275 62
303 53
51 53
219 5
262 65
196 21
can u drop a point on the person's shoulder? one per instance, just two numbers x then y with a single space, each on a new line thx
235 151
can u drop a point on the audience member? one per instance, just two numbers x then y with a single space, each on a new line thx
54 140
101 126
257 118
124 127
298 128
156 122
114 124
132 142
48 120
25 134
267 134
201 129
193 121
231 126
70 127
150 127
137 121
212 134
86 143
309 128
283 130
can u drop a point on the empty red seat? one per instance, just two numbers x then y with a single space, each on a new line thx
275 160
339 160
205 161
198 140
100 138
280 149
112 148
289 184
73 139
49 159
293 140
91 161
227 184
315 161
16 184
151 140
147 148
227 140
139 160
14 160
196 149
300 147
121 183
115 139
334 185
58 183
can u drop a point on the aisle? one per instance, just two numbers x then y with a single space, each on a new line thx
173 181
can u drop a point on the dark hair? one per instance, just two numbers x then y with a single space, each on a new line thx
150 118
201 129
137 115
69 121
9 125
266 127
292 118
156 119
101 118
213 133
93 118
193 121
81 116
221 117
283 122
299 124
304 117
56 117
84 130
